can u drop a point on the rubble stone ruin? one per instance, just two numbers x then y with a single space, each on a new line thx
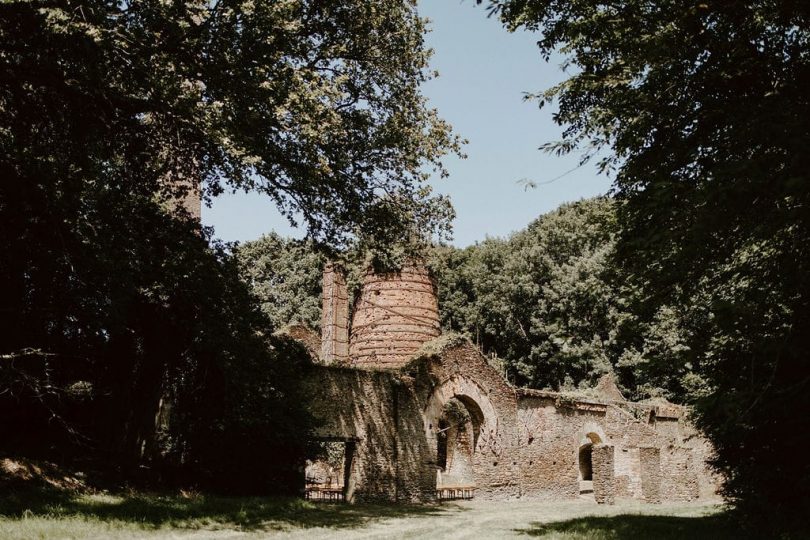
411 415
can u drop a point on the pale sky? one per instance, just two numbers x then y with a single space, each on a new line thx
484 72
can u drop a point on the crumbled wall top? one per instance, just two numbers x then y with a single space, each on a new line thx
606 388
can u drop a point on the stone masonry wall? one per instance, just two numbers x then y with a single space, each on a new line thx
460 371
650 474
679 480
627 467
603 485
364 407
525 442
549 437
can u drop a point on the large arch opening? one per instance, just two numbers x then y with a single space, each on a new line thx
585 462
457 431
459 417
456 436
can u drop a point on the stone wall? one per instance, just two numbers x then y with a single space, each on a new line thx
650 474
603 485
461 372
627 471
364 407
549 435
679 480
525 443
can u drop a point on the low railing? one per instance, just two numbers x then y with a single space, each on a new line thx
454 492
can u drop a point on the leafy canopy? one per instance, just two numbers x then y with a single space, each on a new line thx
315 104
124 334
704 108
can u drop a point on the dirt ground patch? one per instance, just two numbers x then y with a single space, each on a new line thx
552 520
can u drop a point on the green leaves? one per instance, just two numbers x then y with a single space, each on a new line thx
285 276
703 107
316 104
543 300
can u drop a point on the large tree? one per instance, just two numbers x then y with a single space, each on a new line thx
316 104
704 108
109 111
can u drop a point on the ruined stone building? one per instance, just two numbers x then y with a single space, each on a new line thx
415 415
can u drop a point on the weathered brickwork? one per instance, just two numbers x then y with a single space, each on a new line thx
394 316
603 484
441 416
650 474
334 316
678 475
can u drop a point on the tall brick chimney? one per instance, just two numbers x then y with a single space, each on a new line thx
334 316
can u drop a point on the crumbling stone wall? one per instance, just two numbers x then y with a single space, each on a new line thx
650 474
603 485
460 372
374 410
525 444
550 434
679 480
627 470
709 481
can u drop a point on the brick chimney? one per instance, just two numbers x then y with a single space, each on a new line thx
334 316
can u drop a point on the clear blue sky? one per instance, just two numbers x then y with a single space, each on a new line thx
484 72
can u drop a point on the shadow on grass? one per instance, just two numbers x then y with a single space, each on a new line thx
243 513
639 527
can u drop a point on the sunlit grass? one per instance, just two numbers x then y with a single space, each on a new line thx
51 514
59 514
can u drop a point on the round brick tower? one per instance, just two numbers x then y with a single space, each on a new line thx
396 314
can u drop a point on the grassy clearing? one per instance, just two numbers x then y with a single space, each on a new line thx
38 514
57 514
672 523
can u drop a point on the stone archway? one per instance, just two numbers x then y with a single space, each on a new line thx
457 434
459 420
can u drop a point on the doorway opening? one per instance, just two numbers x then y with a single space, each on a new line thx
328 476
457 433
586 463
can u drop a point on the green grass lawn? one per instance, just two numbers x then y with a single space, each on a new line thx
52 514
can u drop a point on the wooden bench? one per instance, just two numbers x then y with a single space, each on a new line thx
322 493
451 492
